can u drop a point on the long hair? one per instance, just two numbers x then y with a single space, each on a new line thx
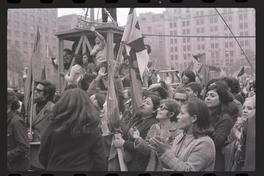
202 125
75 112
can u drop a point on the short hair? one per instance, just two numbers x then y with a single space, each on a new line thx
189 74
49 88
196 87
154 98
172 106
68 51
198 108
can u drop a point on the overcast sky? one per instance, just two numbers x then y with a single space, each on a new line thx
121 12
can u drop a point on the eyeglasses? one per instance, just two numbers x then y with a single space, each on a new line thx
181 100
163 107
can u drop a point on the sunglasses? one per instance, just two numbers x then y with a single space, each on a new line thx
163 107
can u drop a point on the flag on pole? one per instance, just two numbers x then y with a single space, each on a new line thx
241 72
43 73
134 41
137 54
33 73
49 52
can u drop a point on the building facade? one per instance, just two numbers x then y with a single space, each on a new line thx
21 30
185 33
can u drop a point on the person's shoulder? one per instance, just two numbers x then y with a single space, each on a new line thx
17 119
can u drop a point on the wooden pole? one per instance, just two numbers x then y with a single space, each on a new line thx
31 107
92 14
60 68
109 56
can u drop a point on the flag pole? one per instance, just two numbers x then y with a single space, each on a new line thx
31 107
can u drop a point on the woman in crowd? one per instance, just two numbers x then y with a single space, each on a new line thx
193 89
192 149
76 71
240 151
143 120
73 141
165 129
217 99
17 140
187 76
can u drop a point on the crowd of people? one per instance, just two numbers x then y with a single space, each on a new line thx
188 127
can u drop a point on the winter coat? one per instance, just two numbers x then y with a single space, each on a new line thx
134 159
222 123
189 154
17 143
60 151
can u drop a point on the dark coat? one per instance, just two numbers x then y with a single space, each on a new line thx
17 143
134 159
222 123
60 151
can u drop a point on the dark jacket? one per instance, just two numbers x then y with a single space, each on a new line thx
222 123
60 151
134 159
17 143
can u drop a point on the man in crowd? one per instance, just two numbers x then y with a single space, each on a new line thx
42 111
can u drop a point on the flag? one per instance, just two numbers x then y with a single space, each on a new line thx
133 39
33 73
138 56
204 74
49 52
241 72
43 73
214 68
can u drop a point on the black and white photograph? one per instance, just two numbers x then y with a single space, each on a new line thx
131 89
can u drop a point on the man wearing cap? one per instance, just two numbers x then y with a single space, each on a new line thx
42 111
17 141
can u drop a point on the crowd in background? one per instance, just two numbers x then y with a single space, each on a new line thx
187 127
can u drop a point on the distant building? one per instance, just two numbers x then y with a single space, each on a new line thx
21 31
177 50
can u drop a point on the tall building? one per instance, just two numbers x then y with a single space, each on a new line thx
21 31
182 26
154 25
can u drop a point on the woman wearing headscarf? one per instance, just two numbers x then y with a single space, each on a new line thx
17 140
192 149
218 99
73 141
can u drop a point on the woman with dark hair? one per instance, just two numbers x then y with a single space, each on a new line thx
73 141
217 99
192 149
142 121
76 71
187 76
166 129
17 140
